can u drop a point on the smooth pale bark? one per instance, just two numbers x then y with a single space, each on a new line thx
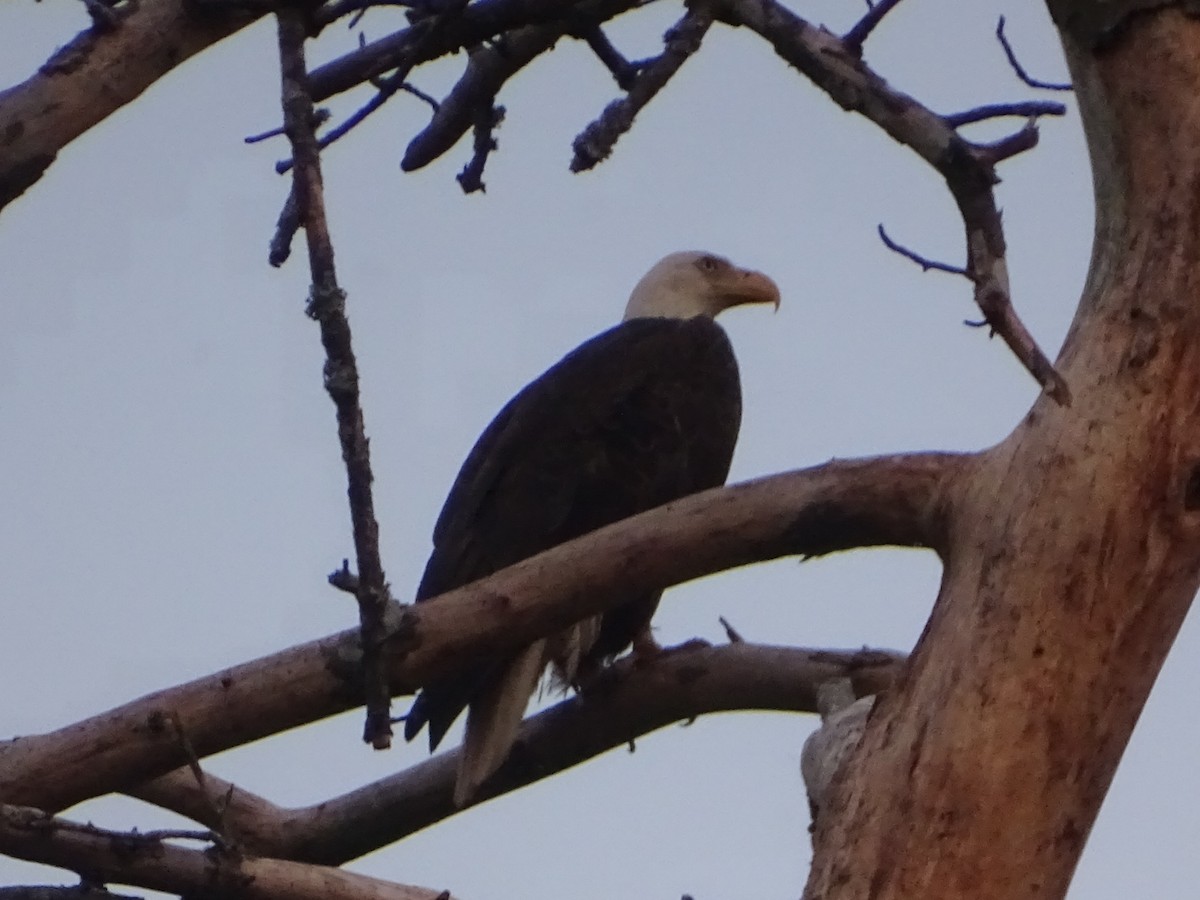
1074 545
896 500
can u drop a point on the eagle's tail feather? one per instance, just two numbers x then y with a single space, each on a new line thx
493 720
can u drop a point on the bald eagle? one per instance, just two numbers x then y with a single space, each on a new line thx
639 415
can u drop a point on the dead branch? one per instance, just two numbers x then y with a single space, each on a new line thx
1029 109
1011 55
857 36
94 75
327 305
487 120
924 262
623 71
968 169
149 861
488 68
884 501
596 141
632 700
479 22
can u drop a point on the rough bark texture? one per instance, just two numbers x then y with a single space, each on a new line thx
887 500
93 76
1075 543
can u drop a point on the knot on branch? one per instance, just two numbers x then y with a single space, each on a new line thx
324 302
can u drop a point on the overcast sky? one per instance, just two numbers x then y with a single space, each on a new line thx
172 489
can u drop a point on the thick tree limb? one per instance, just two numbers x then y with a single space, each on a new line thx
632 700
968 170
894 500
95 75
327 305
149 861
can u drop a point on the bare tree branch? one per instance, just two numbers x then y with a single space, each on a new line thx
968 170
149 861
95 75
82 891
632 700
1028 109
1020 70
488 67
479 22
884 501
622 70
857 36
327 305
596 141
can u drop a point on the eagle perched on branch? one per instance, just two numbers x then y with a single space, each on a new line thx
640 415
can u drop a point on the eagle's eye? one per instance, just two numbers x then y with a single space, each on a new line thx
709 263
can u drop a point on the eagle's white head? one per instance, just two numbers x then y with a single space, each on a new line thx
692 283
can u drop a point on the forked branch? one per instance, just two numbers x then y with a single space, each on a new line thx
150 861
968 169
630 701
893 500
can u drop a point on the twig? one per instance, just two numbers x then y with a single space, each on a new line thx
730 632
473 96
857 36
968 169
335 10
623 71
488 119
429 31
320 117
1020 70
286 227
924 262
596 141
1010 146
327 306
1027 109
218 819
420 95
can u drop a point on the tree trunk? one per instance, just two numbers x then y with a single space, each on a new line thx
1074 544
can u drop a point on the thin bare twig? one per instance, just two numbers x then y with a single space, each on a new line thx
1026 110
924 262
473 98
596 141
327 306
857 36
1010 146
623 71
488 119
1020 70
730 632
428 31
968 169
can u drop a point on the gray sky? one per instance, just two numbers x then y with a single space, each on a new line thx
172 487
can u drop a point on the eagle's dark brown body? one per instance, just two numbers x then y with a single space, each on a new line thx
640 415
